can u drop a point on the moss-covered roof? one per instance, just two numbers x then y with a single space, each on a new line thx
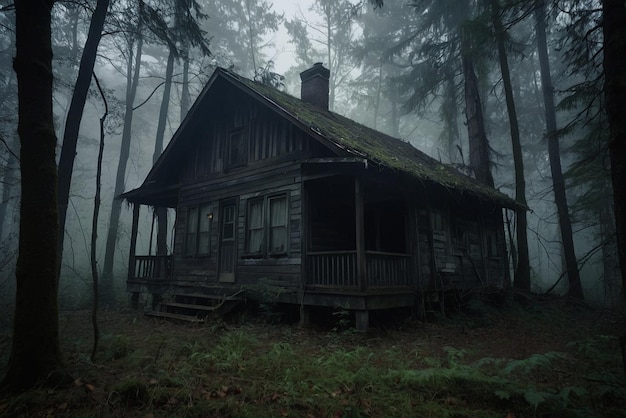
352 138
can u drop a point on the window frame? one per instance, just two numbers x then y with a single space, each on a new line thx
492 244
227 154
198 209
265 251
204 209
249 227
270 227
191 233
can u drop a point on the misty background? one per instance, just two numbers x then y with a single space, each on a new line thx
386 72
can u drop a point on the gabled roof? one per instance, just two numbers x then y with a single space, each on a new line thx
342 135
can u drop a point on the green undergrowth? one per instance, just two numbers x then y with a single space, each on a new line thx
264 371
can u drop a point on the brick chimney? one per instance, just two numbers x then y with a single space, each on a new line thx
314 86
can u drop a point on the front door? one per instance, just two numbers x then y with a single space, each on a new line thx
228 245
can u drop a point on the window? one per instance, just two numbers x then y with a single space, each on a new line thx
266 229
437 221
198 230
278 224
191 232
460 235
255 226
492 245
236 149
228 223
204 229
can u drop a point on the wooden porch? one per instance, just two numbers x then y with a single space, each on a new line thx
151 268
148 272
358 280
339 270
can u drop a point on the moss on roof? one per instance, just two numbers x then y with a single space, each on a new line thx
377 147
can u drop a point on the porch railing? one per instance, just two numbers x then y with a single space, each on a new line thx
337 269
384 270
153 267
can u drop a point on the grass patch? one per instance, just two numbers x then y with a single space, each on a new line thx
483 368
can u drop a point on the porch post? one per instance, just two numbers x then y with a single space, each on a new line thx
359 217
304 247
131 253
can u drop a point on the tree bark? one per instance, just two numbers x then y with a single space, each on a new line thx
185 98
478 142
75 115
94 227
9 179
107 293
35 353
10 176
522 269
449 115
558 182
614 30
158 148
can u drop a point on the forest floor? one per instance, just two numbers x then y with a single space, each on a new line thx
543 359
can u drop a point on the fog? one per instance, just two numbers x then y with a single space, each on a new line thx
374 72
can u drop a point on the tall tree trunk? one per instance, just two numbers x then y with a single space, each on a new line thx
329 56
521 279
558 182
94 227
449 115
107 293
158 148
75 115
478 142
378 93
614 30
251 34
35 353
185 100
10 175
9 179
165 102
610 262
395 118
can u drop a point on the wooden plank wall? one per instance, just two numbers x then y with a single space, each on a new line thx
242 186
459 247
270 137
274 148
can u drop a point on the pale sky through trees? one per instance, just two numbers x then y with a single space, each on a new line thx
283 55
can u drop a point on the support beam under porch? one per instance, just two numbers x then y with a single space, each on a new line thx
361 303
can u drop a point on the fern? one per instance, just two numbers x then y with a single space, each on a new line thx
502 394
535 397
533 363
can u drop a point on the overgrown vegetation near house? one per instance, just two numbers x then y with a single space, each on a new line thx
542 360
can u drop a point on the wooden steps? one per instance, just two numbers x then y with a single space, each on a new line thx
196 307
179 317
189 306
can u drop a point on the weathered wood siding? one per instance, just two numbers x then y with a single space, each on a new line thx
281 178
274 147
269 138
460 246
453 243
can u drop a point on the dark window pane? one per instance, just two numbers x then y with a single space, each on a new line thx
278 224
204 229
192 227
255 226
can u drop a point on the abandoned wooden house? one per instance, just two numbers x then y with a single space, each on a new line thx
271 189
